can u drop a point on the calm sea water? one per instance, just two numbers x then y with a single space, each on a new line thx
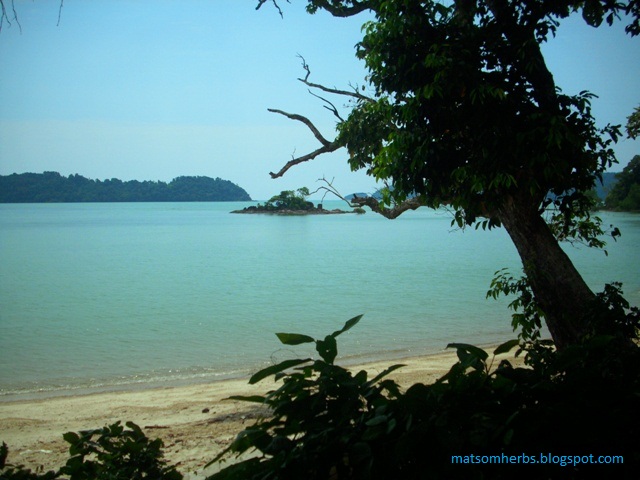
116 295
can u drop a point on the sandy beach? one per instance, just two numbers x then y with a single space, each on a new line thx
195 422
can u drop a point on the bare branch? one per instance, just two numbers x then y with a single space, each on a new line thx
275 4
306 121
305 80
390 213
332 147
4 17
332 108
60 12
371 202
329 188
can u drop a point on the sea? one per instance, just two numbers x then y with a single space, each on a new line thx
111 296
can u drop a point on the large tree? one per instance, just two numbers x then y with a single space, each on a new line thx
467 114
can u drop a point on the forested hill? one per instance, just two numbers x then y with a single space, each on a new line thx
52 187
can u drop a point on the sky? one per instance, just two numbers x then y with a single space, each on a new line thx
152 90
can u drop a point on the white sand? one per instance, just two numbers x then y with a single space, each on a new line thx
192 435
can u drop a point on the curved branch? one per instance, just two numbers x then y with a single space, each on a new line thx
329 188
332 108
306 121
335 91
342 10
331 147
390 213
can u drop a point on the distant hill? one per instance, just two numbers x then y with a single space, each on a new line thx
608 181
51 187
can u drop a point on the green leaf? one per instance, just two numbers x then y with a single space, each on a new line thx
470 349
506 346
71 438
376 421
265 372
294 338
328 349
386 372
347 326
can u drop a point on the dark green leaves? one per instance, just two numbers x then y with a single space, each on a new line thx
273 369
294 338
506 346
327 348
347 326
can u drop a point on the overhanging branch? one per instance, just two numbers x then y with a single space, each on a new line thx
335 91
393 212
306 121
342 10
331 147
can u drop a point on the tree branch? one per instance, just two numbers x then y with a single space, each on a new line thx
60 12
275 4
335 91
338 10
332 108
331 147
390 213
4 17
306 121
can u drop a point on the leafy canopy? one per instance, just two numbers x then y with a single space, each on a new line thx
466 112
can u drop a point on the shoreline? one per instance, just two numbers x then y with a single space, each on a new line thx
211 377
194 421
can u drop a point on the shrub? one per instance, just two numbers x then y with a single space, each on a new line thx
109 453
329 423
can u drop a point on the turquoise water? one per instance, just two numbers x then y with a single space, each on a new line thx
117 295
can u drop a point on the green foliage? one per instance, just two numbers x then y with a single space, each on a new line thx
114 453
611 313
527 316
53 187
109 453
465 111
323 417
288 200
327 422
625 194
633 124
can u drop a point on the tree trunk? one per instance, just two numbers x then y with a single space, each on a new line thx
559 289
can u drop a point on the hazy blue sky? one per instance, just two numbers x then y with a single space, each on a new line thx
151 90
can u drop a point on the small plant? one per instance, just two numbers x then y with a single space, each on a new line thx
109 453
323 417
116 453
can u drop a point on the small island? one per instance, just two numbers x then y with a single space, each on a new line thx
291 202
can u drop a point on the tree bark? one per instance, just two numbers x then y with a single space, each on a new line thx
557 285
